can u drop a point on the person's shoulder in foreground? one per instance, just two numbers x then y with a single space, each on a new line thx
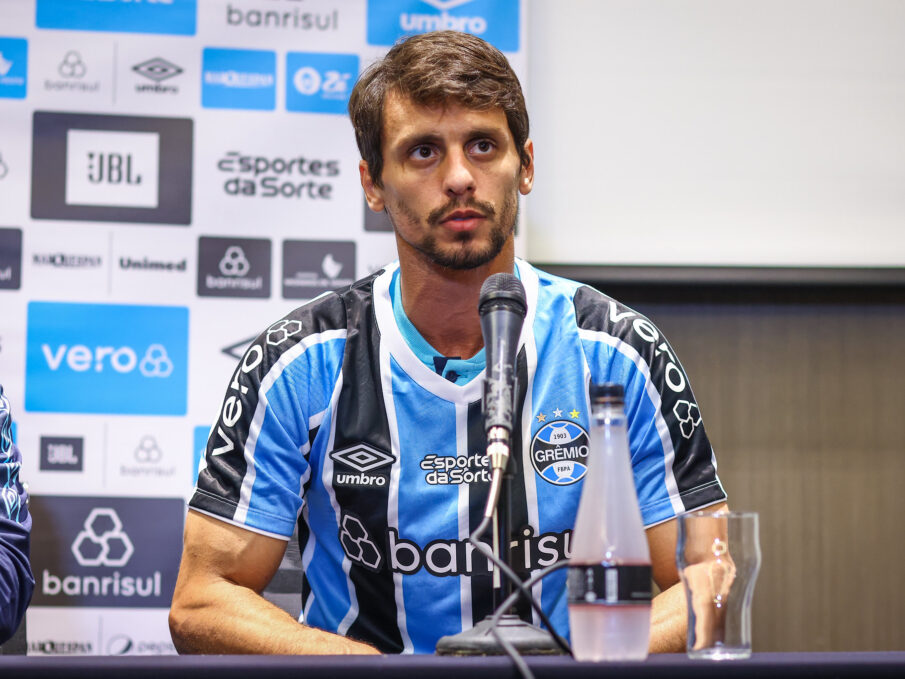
16 579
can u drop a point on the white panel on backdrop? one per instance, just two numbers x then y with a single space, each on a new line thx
15 150
72 71
95 631
66 263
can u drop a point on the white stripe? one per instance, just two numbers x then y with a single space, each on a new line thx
386 383
464 501
662 428
276 370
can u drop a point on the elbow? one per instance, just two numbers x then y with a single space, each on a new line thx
179 620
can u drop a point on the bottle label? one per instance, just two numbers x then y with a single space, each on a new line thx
610 585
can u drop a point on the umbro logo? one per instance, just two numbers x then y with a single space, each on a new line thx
364 460
362 457
157 69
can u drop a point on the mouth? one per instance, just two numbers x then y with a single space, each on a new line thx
463 220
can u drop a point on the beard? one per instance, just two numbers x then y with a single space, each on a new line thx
465 252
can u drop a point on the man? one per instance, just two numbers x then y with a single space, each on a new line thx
358 415
16 579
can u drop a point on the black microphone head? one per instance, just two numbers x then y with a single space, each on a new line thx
503 290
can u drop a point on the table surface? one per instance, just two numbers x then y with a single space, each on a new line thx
671 666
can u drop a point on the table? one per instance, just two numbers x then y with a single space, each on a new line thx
668 666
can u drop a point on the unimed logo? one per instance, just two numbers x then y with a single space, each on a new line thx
106 358
497 21
106 551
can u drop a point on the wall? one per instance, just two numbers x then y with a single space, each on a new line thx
728 132
800 390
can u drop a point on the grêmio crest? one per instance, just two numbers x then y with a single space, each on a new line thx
559 452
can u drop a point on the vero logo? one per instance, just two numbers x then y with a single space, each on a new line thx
106 358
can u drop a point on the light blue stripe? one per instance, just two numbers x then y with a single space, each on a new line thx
432 512
304 388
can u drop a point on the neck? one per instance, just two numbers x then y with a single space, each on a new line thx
443 303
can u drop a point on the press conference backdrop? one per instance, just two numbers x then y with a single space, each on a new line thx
174 177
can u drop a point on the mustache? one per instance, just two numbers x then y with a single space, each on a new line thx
437 216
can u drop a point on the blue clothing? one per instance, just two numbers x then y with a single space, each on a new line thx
16 579
334 423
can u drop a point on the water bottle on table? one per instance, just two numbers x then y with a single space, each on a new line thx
609 580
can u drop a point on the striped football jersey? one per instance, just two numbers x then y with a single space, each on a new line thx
331 423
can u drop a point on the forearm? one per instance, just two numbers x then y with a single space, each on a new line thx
669 621
227 618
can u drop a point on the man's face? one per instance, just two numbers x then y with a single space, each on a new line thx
451 179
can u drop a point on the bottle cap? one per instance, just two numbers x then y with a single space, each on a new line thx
607 392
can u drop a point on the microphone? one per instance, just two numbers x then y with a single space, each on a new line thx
502 307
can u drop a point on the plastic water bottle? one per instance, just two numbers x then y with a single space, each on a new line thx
609 580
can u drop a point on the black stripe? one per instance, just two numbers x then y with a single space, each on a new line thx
482 577
518 492
361 418
692 464
482 585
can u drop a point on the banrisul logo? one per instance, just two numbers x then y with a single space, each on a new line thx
319 83
497 21
13 68
559 452
106 552
106 358
239 79
172 17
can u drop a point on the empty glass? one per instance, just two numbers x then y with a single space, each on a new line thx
718 556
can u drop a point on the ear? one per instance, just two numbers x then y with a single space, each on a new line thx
526 173
373 194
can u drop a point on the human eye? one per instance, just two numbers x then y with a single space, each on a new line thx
422 152
482 147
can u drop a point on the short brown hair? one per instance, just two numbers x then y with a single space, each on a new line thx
431 69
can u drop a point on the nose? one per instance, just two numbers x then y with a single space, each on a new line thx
458 178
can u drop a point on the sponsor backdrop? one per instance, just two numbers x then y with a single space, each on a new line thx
175 176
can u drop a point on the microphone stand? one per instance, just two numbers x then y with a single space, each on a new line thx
526 638
502 307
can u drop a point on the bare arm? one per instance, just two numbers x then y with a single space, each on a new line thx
217 605
669 617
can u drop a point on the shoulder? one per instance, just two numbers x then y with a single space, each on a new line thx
315 331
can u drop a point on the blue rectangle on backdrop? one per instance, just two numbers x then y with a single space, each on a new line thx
496 21
176 17
319 83
13 68
239 79
106 358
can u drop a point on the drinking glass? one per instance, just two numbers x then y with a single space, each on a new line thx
718 557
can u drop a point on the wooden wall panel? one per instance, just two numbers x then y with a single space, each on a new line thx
803 397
